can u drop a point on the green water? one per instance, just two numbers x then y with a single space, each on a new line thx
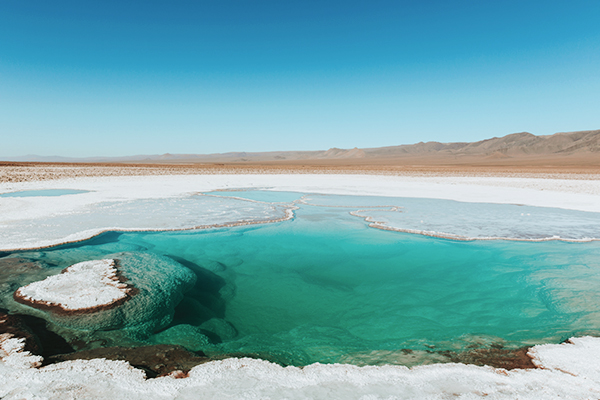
325 287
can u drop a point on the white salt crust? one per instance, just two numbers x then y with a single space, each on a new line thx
583 195
566 371
13 355
85 285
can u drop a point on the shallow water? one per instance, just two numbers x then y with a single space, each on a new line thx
324 287
260 195
44 192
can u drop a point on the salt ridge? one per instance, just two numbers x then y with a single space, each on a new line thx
14 238
373 223
91 233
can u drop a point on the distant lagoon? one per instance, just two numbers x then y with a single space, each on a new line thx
43 192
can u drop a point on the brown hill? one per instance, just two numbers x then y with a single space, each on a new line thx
516 144
334 152
565 149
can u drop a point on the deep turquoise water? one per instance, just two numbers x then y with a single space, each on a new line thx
325 287
44 192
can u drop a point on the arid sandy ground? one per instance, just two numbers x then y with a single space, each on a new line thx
25 172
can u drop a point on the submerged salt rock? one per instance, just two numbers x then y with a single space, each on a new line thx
220 327
159 284
83 287
188 336
14 271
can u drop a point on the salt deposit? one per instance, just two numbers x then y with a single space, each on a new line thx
83 287
24 221
12 353
468 221
565 371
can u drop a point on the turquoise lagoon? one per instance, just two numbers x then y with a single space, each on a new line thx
325 287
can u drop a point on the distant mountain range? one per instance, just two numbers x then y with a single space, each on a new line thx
517 145
514 145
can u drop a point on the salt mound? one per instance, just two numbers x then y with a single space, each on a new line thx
159 284
81 288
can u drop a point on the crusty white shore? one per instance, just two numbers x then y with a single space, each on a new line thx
583 195
566 371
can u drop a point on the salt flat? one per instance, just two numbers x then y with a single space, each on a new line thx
564 371
572 194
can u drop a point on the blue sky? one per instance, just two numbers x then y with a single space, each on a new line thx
83 78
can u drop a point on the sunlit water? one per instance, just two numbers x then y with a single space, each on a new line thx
325 287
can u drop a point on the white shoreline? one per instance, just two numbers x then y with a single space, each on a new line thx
565 371
582 195
92 233
373 223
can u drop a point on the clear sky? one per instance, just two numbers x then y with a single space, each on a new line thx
83 78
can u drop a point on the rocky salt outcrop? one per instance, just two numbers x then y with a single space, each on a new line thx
84 287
